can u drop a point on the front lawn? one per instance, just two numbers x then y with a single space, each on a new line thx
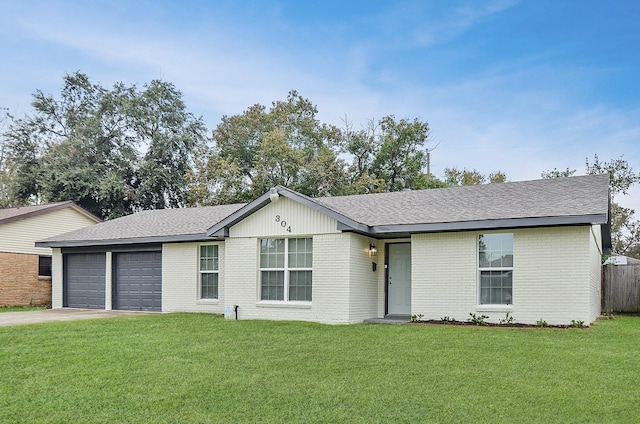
190 368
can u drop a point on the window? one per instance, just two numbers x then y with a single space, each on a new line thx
495 268
209 263
44 266
285 269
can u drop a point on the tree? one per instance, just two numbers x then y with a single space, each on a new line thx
389 155
401 156
555 173
5 200
261 148
160 121
625 231
86 145
455 177
362 146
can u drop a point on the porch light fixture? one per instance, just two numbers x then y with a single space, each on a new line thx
373 252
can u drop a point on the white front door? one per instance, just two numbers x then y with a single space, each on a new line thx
399 279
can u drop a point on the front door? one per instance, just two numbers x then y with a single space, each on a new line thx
399 279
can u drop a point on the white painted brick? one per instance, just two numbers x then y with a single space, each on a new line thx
334 301
556 276
180 279
56 278
363 281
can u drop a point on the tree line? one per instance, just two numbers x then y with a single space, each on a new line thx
123 149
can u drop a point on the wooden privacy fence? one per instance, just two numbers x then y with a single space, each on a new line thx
621 288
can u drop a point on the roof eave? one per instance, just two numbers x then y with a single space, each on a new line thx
493 224
124 241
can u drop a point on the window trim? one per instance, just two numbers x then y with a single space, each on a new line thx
286 271
493 306
201 272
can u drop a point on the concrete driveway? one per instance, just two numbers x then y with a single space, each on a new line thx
52 315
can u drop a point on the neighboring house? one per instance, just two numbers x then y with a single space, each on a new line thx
530 248
621 260
25 270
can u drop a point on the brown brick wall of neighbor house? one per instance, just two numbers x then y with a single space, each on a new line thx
19 281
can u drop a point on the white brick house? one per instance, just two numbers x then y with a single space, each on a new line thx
531 248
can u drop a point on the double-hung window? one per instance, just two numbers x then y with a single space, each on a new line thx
286 269
209 264
495 268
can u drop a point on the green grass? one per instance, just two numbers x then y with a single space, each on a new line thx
21 308
191 368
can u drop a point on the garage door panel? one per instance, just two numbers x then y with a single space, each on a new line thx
84 282
138 281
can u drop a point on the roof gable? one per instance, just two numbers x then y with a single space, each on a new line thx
284 217
221 228
24 212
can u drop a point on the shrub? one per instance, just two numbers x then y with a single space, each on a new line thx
478 319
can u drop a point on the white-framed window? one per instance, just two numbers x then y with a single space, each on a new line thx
286 269
209 265
495 269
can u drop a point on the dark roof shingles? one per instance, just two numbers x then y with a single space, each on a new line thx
153 223
573 196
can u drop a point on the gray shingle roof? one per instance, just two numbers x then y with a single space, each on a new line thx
562 197
564 201
149 226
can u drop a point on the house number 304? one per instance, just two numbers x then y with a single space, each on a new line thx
283 223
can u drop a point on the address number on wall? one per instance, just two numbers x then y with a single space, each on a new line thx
283 223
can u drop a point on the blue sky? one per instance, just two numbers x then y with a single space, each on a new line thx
516 86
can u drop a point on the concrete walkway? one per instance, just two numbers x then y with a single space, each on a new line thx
52 315
390 319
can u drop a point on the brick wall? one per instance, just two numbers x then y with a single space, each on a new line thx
180 279
363 281
19 281
555 276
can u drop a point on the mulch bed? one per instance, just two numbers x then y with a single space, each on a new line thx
488 324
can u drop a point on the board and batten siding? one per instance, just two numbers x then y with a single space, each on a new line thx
20 236
284 218
552 278
181 279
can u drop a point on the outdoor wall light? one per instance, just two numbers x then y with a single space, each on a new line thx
373 252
